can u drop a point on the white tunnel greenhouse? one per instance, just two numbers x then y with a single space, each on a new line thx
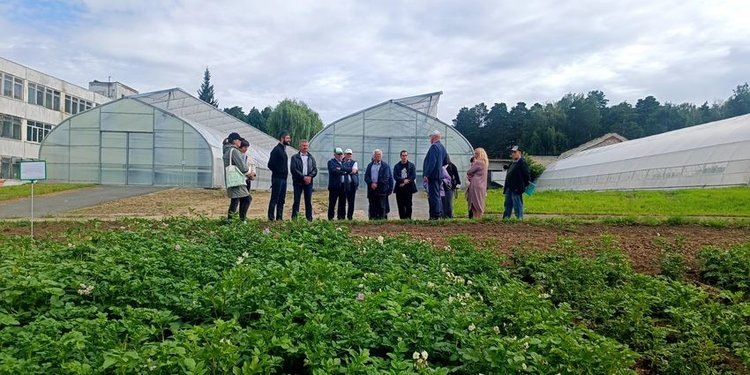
715 154
391 126
163 138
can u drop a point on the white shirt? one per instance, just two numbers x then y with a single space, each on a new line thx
304 163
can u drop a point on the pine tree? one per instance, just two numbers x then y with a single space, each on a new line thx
206 93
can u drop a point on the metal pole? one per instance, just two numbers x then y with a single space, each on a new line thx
32 209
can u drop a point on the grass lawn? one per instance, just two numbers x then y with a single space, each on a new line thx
688 202
23 191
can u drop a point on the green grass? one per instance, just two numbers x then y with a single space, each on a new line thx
22 191
725 202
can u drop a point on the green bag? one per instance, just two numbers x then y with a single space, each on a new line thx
232 175
530 189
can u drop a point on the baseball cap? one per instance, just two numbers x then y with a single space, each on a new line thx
348 151
233 137
515 148
338 151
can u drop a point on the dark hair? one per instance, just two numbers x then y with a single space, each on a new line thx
244 142
283 134
472 160
402 151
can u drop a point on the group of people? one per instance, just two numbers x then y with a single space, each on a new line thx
440 178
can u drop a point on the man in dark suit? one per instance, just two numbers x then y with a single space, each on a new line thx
336 184
379 180
304 169
516 180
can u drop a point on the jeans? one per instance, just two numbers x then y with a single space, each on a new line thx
404 203
351 195
433 198
513 201
337 196
448 204
298 190
244 204
377 209
278 197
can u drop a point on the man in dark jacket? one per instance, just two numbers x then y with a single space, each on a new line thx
336 184
304 169
379 182
516 180
450 191
404 172
352 182
432 169
279 166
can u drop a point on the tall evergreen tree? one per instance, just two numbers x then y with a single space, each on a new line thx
206 93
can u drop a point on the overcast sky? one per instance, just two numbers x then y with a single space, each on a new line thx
343 56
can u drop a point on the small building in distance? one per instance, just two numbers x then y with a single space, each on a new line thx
112 90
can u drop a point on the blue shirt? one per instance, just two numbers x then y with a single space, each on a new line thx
374 172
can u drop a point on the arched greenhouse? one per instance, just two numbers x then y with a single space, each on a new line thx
715 154
163 138
391 126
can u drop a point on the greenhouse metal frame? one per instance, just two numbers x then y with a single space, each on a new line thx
391 126
162 138
715 154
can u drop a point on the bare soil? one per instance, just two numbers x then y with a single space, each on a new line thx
643 244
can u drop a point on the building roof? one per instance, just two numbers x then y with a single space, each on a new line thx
712 154
607 139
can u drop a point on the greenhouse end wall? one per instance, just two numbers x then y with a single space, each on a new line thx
128 143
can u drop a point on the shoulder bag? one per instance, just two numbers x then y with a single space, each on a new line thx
232 175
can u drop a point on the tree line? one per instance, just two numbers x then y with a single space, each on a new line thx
290 115
553 128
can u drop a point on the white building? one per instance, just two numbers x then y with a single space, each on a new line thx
112 90
31 104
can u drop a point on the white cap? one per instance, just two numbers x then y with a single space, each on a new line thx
348 151
434 133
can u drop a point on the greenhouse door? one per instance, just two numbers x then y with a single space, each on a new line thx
127 158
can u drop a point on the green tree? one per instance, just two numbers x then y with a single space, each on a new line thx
256 120
206 93
295 117
739 103
236 112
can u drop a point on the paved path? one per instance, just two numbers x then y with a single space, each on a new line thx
58 203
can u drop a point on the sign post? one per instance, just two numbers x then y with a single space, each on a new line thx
33 171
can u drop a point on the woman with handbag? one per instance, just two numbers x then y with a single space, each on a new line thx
235 171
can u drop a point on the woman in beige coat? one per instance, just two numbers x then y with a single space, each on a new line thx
476 194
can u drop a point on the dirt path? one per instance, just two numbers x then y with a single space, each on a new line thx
644 245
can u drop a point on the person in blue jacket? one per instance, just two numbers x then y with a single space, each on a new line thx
379 180
432 169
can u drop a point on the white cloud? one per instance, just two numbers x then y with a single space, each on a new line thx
340 57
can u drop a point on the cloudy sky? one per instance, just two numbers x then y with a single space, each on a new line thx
342 56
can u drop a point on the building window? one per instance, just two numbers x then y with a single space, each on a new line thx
10 127
12 86
44 96
36 131
75 105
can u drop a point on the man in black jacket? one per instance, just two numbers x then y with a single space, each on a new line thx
516 180
336 184
450 191
279 166
304 169
404 172
379 180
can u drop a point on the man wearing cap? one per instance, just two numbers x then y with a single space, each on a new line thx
352 182
432 168
516 180
304 169
278 163
336 184
404 172
379 180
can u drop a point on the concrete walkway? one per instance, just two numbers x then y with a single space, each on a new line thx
58 203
